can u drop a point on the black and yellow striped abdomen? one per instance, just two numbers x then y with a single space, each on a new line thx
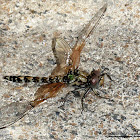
75 77
27 79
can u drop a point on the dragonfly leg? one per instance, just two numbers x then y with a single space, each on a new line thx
95 93
101 80
74 92
98 95
82 99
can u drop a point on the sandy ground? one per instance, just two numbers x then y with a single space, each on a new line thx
26 31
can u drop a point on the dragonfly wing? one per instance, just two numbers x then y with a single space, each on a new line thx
61 48
88 29
62 51
47 91
91 26
13 112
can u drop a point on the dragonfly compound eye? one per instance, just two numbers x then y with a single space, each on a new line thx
94 80
95 76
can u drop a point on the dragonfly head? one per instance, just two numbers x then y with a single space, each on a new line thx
95 77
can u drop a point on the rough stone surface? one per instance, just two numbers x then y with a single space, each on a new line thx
26 31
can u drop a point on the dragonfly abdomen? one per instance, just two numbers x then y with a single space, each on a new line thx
27 79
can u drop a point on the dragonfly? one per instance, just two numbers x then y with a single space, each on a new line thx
66 73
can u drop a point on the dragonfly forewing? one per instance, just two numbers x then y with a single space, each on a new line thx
90 27
85 33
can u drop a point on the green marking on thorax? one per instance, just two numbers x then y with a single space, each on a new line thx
71 77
